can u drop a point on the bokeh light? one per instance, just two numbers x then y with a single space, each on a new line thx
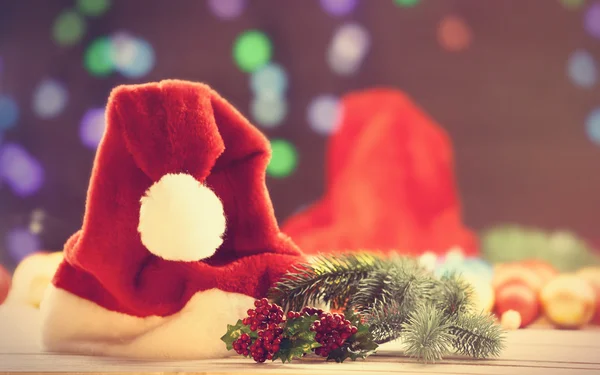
21 171
338 7
284 159
227 9
9 112
93 8
348 48
592 19
49 98
98 57
572 4
69 28
92 126
592 126
131 56
251 50
21 243
582 69
270 80
268 110
453 34
324 114
406 3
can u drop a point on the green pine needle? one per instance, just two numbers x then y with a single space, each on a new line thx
328 279
454 295
426 334
477 336
386 324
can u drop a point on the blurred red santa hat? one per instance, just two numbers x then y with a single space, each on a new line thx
390 183
179 235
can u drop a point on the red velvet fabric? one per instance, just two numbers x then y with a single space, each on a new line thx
390 183
174 127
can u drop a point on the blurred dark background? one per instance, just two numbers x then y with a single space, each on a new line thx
514 82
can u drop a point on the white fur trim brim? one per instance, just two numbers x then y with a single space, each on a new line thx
71 324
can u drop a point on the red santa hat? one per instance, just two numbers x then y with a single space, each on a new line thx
179 235
390 183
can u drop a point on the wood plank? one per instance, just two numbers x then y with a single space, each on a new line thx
536 351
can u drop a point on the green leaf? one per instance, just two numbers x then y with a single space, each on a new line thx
299 325
234 332
298 340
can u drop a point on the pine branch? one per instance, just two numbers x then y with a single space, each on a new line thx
331 279
386 324
453 295
378 289
477 335
426 334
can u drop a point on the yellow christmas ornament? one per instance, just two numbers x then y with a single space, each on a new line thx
483 293
568 301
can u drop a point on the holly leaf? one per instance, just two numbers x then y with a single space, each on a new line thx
298 348
234 332
299 325
298 340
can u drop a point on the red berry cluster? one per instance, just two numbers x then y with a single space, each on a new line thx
267 344
267 320
332 331
264 318
263 315
241 345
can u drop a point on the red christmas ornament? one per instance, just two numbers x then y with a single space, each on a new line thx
5 283
520 298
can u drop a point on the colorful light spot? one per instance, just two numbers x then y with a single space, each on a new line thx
268 111
338 7
227 9
93 8
284 159
453 34
98 57
348 49
91 129
251 50
592 126
9 112
592 19
324 114
572 4
21 243
406 3
270 80
132 57
479 268
581 69
49 99
21 171
69 28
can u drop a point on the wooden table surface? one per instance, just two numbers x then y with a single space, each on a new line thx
528 351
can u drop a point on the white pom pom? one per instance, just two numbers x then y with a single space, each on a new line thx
181 219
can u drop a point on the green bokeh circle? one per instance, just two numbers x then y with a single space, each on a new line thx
69 28
93 8
251 50
406 3
98 57
284 159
